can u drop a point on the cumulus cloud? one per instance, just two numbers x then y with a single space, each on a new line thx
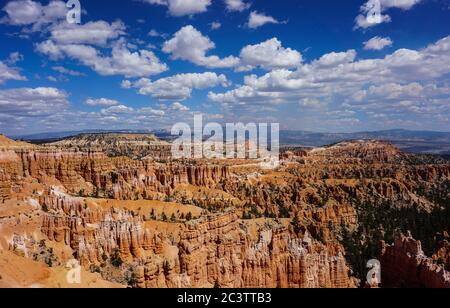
50 111
178 87
378 43
122 61
191 45
101 102
269 55
371 12
391 91
97 44
257 20
126 84
183 7
92 33
34 14
179 107
32 102
9 73
336 58
403 82
399 4
237 5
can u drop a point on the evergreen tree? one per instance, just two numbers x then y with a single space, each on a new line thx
116 259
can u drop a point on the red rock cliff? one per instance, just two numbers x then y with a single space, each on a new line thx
404 264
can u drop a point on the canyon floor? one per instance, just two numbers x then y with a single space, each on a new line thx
134 217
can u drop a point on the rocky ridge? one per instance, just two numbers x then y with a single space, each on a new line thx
404 264
136 146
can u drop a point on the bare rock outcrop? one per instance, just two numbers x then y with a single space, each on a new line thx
404 264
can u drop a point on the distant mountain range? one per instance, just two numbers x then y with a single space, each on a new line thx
410 141
55 136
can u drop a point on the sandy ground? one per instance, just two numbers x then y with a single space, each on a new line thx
145 207
19 272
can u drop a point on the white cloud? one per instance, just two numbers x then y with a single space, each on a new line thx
183 7
257 20
215 25
363 22
14 57
65 71
101 102
399 4
336 58
178 87
121 62
154 33
403 82
378 43
91 33
31 102
31 13
311 103
152 111
9 73
126 84
120 109
191 45
98 44
49 115
269 55
393 91
365 19
237 5
179 107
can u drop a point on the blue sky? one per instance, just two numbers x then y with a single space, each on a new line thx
147 64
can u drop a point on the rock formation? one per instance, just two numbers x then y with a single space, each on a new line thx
404 264
135 146
214 248
252 227
442 255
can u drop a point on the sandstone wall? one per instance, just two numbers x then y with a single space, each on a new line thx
404 264
93 173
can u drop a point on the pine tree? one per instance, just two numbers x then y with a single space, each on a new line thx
296 224
116 259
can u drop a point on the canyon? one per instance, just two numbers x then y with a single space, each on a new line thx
133 216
